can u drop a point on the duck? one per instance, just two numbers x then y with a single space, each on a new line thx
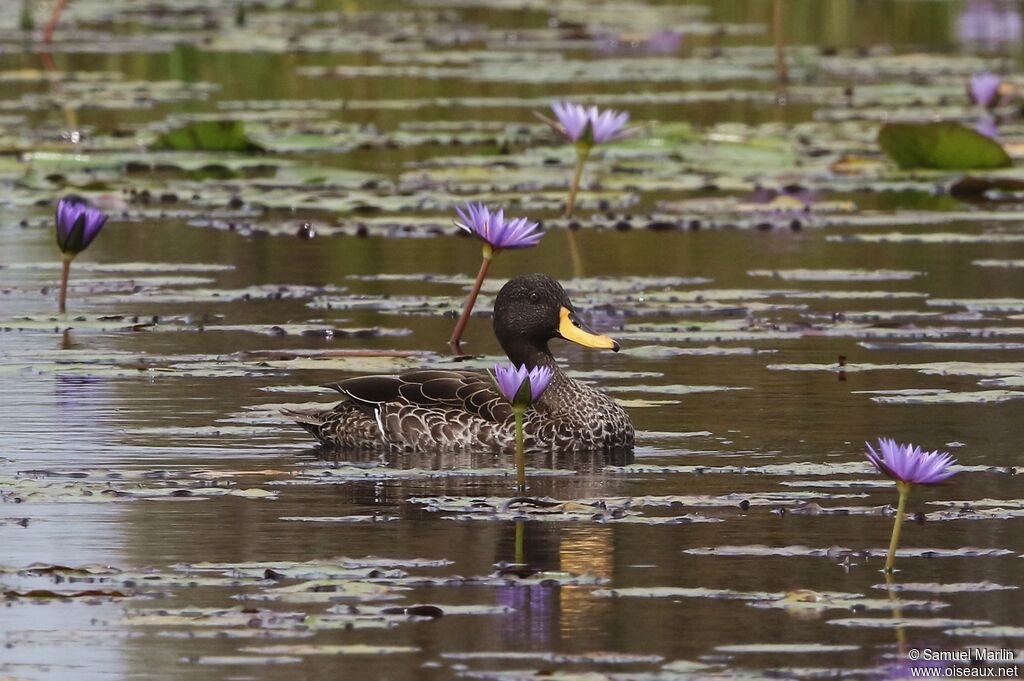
461 410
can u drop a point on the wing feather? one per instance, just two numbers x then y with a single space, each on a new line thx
454 392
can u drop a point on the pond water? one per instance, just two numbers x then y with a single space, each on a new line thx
162 520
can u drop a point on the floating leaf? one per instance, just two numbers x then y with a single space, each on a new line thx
328 649
906 622
786 648
836 275
998 632
240 660
203 135
761 550
933 588
941 145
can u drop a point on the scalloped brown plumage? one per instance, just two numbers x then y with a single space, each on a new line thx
432 409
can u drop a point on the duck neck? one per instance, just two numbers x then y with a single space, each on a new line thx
531 354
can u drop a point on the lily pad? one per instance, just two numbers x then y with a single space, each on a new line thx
204 135
941 145
301 649
786 648
906 622
958 587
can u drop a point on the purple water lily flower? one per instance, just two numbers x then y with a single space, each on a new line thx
989 24
909 464
983 89
497 235
492 228
588 125
585 127
520 386
78 223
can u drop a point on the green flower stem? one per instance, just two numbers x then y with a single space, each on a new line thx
64 285
897 614
901 511
26 22
582 152
520 527
467 310
520 449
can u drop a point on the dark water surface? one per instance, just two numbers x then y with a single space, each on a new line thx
728 368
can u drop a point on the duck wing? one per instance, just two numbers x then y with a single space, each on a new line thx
450 391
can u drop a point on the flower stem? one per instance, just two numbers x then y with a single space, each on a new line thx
574 254
520 452
520 553
781 69
52 24
901 511
64 286
460 326
897 615
582 152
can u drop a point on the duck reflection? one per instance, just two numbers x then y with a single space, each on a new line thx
590 462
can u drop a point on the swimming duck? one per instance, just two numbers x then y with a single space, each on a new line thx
431 410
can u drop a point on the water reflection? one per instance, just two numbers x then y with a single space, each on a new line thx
663 42
581 462
545 613
61 641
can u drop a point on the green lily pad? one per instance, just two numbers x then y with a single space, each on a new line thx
204 135
941 145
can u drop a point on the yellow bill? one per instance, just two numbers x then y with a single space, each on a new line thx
572 329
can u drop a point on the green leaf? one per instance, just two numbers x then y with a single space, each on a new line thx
206 136
942 146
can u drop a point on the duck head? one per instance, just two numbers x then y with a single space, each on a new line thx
532 309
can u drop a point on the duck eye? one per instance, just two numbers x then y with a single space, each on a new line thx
534 297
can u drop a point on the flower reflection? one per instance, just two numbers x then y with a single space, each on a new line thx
664 42
534 613
72 392
907 669
988 126
989 24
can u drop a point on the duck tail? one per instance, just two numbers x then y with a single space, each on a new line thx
311 420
